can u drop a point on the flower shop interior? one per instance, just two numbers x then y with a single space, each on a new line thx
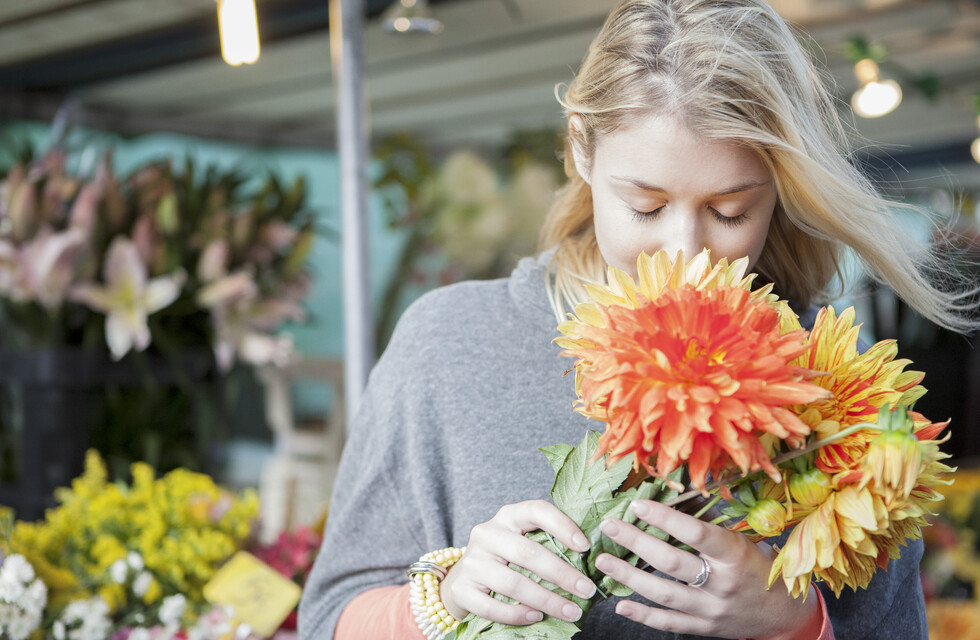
155 152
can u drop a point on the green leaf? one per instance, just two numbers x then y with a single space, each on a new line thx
548 629
735 510
578 483
556 454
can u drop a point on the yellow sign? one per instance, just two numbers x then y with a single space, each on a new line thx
260 595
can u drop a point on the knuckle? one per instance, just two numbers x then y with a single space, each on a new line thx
510 583
523 555
478 535
698 536
504 513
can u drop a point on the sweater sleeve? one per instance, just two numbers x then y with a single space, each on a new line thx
380 614
383 516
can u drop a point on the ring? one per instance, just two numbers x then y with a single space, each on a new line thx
702 576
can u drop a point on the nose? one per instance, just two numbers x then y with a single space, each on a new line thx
684 233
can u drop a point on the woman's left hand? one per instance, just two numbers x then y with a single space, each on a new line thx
734 601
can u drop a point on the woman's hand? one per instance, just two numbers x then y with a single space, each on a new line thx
732 603
495 544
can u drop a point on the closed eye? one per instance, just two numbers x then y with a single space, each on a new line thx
728 221
644 216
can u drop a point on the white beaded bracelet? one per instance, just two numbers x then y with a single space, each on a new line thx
430 614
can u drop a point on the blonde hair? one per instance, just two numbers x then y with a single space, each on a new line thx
733 70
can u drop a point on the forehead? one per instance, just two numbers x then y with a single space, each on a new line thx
665 149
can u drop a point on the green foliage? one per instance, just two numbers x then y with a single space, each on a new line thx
588 492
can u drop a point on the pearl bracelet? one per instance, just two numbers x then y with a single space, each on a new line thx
430 614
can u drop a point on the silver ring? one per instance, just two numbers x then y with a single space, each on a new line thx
437 570
702 576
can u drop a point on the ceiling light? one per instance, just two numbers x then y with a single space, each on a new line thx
875 97
410 16
239 28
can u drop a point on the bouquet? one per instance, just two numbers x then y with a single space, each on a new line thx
127 562
710 389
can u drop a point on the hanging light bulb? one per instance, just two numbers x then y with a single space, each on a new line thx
975 147
410 16
875 97
239 28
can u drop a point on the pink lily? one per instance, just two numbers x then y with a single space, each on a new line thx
49 265
128 297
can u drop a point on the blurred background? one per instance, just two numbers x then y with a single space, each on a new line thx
122 117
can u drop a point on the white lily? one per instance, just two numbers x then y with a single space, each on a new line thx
128 297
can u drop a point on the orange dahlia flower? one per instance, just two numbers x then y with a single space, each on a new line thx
688 366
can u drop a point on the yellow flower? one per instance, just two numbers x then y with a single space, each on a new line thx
893 462
862 523
98 523
153 592
861 384
114 596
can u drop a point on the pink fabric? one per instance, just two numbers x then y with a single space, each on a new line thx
384 612
379 614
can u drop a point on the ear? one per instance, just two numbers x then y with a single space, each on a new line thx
575 138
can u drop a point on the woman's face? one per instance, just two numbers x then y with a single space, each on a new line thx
656 185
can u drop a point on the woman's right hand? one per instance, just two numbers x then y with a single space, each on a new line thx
497 543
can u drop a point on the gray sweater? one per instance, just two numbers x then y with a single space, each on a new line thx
448 432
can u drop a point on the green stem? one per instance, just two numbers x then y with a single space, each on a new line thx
778 460
703 510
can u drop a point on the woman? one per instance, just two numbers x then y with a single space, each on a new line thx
691 124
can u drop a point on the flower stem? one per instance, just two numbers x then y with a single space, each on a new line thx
778 460
707 506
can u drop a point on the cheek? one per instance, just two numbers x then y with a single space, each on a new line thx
755 240
617 236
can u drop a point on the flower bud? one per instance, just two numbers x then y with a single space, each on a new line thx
809 488
767 517
894 460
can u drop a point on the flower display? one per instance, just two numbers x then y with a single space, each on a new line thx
951 564
22 598
292 555
708 386
90 261
130 559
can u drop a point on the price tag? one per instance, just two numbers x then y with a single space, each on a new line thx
260 595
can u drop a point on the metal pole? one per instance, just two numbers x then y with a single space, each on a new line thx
346 30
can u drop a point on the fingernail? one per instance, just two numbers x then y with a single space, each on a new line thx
571 612
604 564
534 616
639 508
624 609
585 588
609 527
581 542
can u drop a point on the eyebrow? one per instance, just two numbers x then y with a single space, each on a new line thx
738 188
